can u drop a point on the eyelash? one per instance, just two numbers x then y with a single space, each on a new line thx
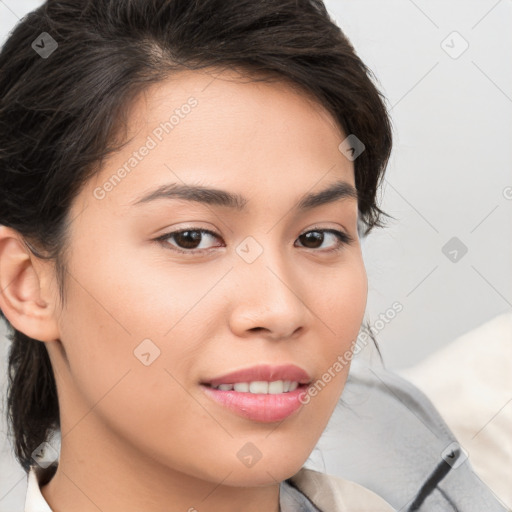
343 239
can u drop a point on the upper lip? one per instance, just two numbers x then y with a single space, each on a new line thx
263 372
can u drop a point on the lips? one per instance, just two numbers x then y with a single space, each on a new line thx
263 393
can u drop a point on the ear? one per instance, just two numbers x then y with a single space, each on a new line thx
26 297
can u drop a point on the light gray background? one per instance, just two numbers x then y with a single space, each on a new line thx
448 175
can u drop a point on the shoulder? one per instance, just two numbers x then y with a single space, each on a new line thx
332 493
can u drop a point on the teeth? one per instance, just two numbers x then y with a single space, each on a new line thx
275 387
260 387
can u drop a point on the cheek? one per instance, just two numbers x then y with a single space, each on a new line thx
144 404
343 307
344 301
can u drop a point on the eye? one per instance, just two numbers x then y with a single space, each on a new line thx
189 240
316 238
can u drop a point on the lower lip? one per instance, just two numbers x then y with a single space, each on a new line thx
259 407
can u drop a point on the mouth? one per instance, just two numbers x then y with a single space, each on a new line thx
260 387
262 393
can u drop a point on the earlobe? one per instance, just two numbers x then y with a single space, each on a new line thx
21 298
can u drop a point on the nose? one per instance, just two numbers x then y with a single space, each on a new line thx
267 299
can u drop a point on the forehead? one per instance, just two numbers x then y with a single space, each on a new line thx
228 131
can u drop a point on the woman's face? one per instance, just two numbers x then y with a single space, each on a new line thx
151 320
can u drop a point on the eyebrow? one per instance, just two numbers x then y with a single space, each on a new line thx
338 190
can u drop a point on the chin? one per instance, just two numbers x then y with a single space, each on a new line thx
265 472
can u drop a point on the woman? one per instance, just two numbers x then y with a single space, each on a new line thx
183 190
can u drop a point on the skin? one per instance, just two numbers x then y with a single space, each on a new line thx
137 437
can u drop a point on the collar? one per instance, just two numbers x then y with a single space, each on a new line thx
37 477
